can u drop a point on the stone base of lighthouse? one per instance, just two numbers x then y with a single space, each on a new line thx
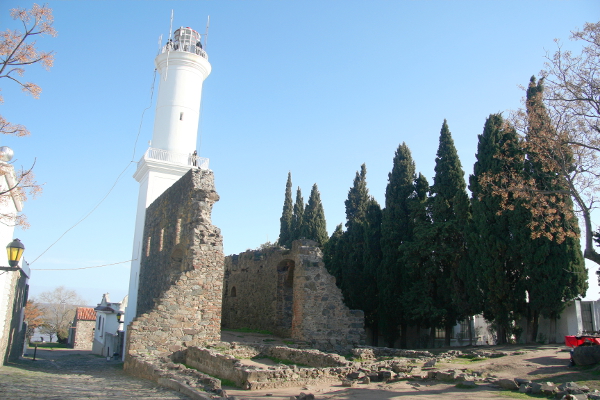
181 275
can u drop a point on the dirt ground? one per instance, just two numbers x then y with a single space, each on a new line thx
71 374
541 363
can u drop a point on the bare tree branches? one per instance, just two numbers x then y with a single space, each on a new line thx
17 51
564 111
59 307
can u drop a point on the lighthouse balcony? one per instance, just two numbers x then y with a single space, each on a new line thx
171 157
187 48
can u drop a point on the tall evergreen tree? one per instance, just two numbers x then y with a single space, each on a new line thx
493 274
419 267
353 243
297 216
396 228
285 228
449 208
358 197
371 263
555 268
333 254
313 224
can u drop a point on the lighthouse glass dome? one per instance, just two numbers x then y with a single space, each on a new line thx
187 39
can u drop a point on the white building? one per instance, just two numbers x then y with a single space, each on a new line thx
183 66
108 334
13 284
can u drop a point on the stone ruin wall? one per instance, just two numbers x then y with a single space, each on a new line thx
181 273
290 293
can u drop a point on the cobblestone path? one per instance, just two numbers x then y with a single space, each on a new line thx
73 374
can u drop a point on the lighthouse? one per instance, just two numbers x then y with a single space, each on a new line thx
183 66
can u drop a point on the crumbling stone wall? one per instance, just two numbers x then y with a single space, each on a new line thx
290 293
181 273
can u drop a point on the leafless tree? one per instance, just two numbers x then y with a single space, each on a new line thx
59 307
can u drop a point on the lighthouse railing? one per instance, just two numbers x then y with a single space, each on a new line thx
187 48
176 158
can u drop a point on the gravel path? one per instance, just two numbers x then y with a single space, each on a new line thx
74 374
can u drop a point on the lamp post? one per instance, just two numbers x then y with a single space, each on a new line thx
15 252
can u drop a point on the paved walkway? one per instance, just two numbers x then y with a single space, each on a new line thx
74 374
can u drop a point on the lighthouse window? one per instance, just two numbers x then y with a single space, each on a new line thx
181 116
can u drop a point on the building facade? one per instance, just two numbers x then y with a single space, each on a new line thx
108 334
81 333
14 285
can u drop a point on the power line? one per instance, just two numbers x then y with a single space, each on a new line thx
72 269
116 181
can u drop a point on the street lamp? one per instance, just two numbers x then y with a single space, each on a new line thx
15 251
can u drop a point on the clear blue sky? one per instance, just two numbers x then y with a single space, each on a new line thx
312 87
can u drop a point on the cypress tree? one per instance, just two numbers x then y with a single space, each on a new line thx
419 268
371 263
396 228
358 197
298 216
313 224
449 210
333 256
555 268
353 240
285 228
493 274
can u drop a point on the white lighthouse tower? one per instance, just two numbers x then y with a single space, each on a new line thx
183 66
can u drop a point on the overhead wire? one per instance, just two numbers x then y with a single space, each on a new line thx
72 269
114 184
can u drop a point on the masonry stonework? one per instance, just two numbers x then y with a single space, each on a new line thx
181 273
12 336
290 293
84 335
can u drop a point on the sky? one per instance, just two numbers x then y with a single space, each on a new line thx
316 88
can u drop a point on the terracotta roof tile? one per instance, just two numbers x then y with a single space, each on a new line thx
86 314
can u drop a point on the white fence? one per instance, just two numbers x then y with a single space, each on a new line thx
177 158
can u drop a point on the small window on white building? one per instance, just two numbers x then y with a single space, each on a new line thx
181 116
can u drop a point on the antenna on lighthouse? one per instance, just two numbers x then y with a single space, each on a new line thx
171 25
159 43
169 45
206 34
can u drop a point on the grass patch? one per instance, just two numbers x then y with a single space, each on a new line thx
288 342
224 382
268 340
467 360
227 382
517 395
249 330
48 345
280 361
118 366
463 386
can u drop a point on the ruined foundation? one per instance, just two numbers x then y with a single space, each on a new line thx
291 294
